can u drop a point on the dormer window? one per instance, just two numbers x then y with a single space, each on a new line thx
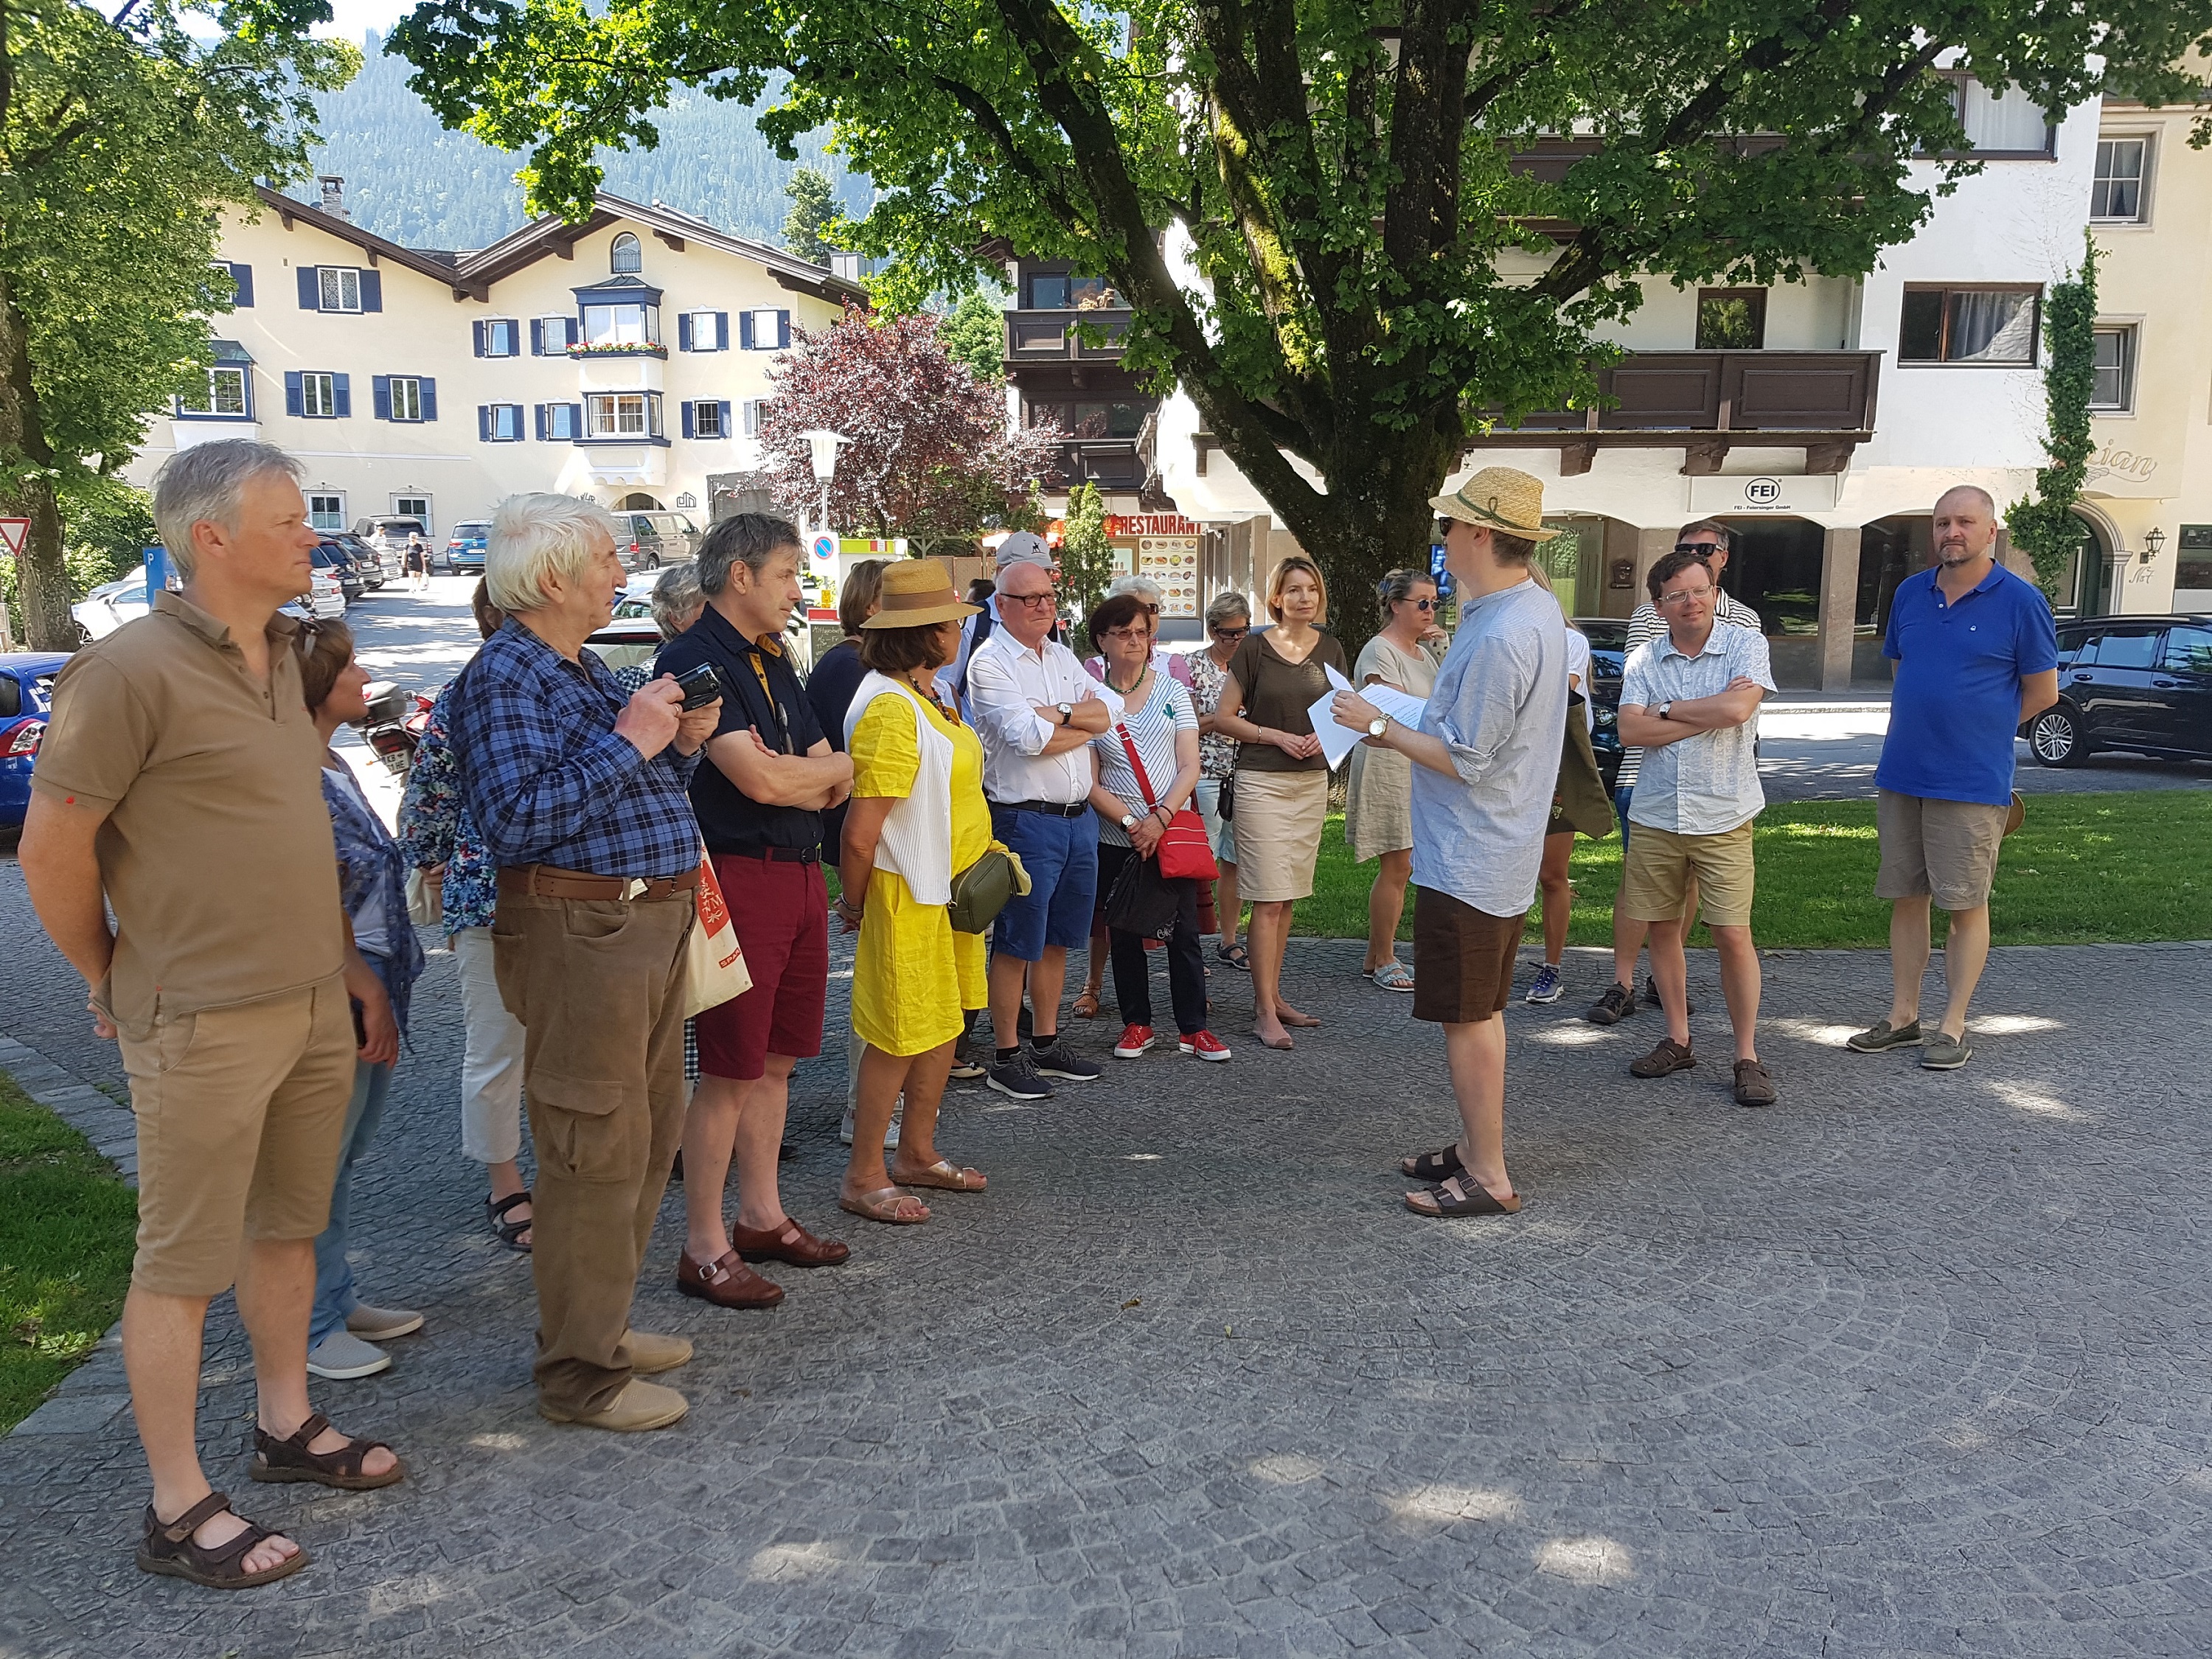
627 257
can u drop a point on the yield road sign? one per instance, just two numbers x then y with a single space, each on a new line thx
14 533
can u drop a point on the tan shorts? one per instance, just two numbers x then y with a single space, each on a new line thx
1657 871
1279 821
1945 848
1462 959
240 1110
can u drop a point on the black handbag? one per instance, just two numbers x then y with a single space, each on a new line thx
1227 805
1143 902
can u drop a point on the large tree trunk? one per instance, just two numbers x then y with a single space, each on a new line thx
42 579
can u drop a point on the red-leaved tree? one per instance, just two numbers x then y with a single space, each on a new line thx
930 454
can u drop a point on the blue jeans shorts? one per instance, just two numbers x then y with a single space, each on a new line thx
1062 855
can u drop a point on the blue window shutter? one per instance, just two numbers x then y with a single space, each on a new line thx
429 398
721 330
688 432
571 325
380 392
541 422
575 420
782 328
242 276
342 395
484 423
725 420
537 336
744 330
372 290
477 330
311 290
295 399
684 332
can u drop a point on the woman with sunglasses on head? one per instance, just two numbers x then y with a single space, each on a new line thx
1378 818
1228 620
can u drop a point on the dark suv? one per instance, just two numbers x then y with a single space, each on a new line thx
2142 683
647 541
1608 641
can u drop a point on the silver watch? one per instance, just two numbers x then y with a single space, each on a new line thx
1067 712
1128 822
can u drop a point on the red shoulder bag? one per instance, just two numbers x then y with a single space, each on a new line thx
1185 854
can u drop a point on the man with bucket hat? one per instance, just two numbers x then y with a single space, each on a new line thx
1486 763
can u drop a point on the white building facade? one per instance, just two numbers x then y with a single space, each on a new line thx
1819 420
625 359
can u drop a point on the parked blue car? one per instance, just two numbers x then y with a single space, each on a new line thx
27 695
464 548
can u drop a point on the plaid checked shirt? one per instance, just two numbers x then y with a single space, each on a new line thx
546 779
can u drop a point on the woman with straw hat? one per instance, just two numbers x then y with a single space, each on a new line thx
916 819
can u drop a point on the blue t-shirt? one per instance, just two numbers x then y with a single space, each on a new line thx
1956 703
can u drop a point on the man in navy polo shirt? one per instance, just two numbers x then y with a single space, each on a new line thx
1976 655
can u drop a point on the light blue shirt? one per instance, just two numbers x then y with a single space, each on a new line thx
1708 784
1500 701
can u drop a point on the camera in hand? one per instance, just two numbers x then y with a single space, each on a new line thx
700 685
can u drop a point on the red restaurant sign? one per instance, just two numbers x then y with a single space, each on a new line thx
1150 524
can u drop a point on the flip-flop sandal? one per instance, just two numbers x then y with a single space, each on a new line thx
288 1459
1462 1194
510 1232
886 1205
170 1551
945 1176
1433 1167
1393 976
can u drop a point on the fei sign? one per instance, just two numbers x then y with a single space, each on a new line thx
1765 493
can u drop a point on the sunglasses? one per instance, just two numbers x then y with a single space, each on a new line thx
1424 604
1697 550
1232 633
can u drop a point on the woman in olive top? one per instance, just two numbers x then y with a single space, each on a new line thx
1281 786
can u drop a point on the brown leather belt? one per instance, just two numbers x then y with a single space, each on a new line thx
550 881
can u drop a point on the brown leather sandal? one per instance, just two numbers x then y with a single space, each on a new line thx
169 1549
288 1459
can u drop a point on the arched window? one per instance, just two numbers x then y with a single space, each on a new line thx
628 257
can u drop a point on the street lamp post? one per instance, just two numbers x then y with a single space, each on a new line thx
824 445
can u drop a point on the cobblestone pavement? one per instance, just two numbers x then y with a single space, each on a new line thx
1909 1365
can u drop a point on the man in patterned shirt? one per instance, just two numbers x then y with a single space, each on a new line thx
581 795
1708 541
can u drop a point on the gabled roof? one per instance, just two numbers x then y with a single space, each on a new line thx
471 275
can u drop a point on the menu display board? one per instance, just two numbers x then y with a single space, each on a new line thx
1172 561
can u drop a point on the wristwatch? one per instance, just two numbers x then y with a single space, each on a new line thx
1067 712
1128 822
1664 707
1378 726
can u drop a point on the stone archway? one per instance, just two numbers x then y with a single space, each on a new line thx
637 501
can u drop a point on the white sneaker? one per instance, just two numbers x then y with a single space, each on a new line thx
382 1324
341 1357
891 1139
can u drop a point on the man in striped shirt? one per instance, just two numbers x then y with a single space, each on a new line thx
1710 542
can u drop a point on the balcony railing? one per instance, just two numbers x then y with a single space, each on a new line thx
1051 336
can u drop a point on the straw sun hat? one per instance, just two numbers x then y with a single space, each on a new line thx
917 592
1500 498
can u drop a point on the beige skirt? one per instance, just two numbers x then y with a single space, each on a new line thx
1278 820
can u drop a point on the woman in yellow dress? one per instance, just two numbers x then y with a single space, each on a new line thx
917 818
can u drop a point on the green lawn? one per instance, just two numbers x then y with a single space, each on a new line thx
66 1226
2084 867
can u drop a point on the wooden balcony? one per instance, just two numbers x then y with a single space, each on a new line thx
1034 337
1109 463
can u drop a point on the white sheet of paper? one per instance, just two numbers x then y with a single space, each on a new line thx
1336 740
1401 706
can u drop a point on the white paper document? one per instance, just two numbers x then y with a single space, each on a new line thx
1336 741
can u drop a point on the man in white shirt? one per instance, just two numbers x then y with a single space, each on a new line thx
1036 712
1688 699
1021 548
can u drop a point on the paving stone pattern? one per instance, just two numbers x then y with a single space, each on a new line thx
1911 1365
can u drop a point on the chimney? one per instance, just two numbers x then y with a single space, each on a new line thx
333 201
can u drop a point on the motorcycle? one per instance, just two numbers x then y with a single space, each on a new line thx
394 724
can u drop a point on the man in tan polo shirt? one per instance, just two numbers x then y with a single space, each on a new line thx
181 784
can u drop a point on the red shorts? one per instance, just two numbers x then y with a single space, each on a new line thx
781 915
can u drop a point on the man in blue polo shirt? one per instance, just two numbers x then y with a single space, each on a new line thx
1976 655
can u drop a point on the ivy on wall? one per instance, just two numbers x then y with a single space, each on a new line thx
2044 526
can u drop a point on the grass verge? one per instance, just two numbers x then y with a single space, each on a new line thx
2084 868
66 1227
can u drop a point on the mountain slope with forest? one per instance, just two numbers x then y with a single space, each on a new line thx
408 179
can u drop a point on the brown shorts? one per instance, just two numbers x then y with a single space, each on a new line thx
240 1110
1945 848
1462 959
1654 875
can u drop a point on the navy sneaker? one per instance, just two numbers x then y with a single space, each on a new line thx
1017 1076
1057 1060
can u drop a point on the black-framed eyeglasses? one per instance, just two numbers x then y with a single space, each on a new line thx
1032 600
1697 550
1221 633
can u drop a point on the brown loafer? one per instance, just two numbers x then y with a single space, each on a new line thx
727 1283
1668 1058
790 1243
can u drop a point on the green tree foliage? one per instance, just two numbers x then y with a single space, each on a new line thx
1374 267
2044 526
813 216
119 139
1086 557
975 331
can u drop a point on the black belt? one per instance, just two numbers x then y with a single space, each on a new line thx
1051 809
761 850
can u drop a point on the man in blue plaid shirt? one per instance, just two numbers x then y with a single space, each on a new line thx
581 794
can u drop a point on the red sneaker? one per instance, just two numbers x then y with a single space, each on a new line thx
1204 1045
1135 1039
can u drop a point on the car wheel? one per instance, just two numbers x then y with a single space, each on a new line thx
2056 737
652 562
